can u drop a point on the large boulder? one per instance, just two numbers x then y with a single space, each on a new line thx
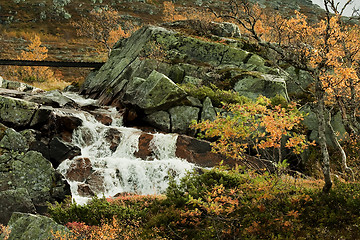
25 226
16 112
31 171
181 118
266 85
160 120
16 200
155 93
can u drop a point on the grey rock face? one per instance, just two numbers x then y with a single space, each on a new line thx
268 86
13 140
157 92
31 171
226 29
16 112
17 200
208 111
182 116
160 119
53 98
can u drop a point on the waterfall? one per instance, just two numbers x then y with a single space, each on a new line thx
117 167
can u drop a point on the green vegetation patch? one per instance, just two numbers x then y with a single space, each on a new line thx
218 97
227 204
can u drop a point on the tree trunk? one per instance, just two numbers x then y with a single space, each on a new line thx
340 149
323 145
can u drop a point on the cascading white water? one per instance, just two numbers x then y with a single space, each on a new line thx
120 169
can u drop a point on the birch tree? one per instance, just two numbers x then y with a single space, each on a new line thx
328 50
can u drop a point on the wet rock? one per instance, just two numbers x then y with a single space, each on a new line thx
17 200
113 136
102 116
198 152
29 226
84 190
64 122
144 151
96 182
79 170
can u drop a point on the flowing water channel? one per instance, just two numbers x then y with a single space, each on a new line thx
118 168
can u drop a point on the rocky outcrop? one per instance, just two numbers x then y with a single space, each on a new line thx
26 226
143 73
31 144
15 200
157 92
33 173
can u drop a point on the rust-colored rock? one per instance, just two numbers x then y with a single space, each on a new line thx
199 152
102 117
96 182
84 190
144 151
113 136
79 170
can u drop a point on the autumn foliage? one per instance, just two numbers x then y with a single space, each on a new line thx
258 126
103 26
328 50
220 204
41 77
35 52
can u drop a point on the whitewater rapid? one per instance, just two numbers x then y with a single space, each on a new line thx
120 170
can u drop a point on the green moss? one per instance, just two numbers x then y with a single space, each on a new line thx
279 100
217 96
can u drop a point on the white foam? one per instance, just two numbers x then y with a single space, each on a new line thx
120 169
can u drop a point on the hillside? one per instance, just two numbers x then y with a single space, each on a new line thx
242 124
51 19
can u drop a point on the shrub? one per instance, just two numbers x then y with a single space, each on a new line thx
100 210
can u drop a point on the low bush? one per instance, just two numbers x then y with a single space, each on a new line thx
222 204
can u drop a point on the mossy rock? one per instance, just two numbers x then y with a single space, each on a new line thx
16 112
25 226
